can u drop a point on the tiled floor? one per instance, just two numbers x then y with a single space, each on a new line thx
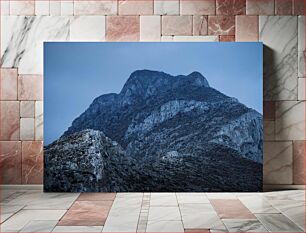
35 211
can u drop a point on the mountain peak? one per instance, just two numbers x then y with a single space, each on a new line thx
199 79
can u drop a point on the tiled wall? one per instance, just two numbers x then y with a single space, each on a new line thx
25 24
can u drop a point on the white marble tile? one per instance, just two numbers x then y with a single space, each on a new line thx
22 7
165 226
106 7
27 109
23 217
290 120
87 28
192 198
301 89
42 7
55 8
196 38
220 195
26 128
242 225
22 40
163 200
269 130
279 35
301 46
129 195
66 7
294 195
150 28
84 229
164 213
5 7
277 168
164 7
39 119
8 210
258 205
277 223
39 226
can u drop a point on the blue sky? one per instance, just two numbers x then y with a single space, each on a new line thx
77 72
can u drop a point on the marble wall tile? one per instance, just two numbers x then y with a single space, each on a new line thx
221 25
27 129
55 8
290 120
22 40
87 28
203 7
95 7
8 84
299 162
269 110
10 161
200 25
277 168
301 47
260 7
122 28
5 7
246 28
32 162
301 89
283 7
22 7
27 109
166 7
269 130
150 28
9 120
279 35
42 7
230 7
66 7
39 119
177 25
298 7
135 7
30 87
224 38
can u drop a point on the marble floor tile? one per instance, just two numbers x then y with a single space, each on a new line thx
74 229
9 210
164 213
297 195
165 226
23 217
278 223
238 225
4 194
129 195
163 200
97 197
258 205
39 226
232 209
192 198
220 195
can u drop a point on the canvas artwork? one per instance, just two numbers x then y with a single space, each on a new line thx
146 117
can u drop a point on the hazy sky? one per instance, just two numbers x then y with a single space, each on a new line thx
76 73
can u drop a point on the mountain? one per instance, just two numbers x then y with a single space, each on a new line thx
167 131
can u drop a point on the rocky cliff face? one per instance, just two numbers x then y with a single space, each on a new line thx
166 129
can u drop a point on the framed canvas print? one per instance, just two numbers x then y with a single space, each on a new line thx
146 117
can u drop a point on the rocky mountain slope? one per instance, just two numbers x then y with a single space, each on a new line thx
167 133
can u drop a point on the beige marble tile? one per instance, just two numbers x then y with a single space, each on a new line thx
42 7
246 28
269 130
191 7
200 25
301 47
166 7
165 226
39 226
241 225
22 7
9 210
192 198
30 87
196 38
177 25
39 120
164 213
107 7
164 200
299 162
277 168
8 87
301 89
290 120
150 28
27 129
87 28
135 7
74 229
9 120
27 109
